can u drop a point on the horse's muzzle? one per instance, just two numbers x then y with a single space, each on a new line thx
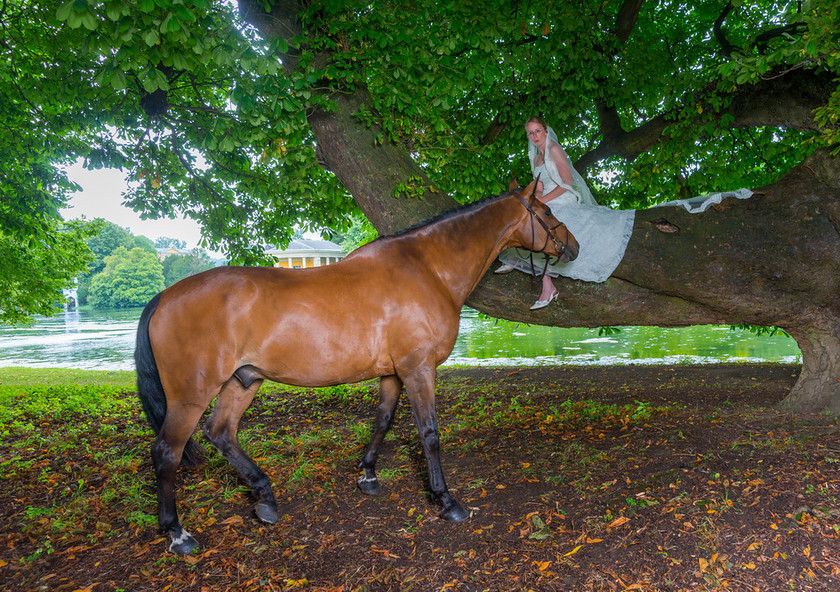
570 253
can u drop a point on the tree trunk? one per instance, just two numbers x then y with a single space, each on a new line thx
818 387
373 173
771 260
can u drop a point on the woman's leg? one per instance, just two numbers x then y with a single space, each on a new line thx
547 287
549 293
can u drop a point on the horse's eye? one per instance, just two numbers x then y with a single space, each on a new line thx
548 212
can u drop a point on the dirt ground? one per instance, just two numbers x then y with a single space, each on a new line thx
582 478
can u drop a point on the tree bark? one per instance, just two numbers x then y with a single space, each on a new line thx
771 260
373 173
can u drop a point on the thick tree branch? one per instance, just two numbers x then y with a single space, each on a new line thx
496 127
280 23
726 48
625 22
786 101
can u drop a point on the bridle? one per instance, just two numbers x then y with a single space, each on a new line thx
560 247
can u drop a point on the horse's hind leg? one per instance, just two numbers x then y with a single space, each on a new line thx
221 429
420 388
177 428
389 392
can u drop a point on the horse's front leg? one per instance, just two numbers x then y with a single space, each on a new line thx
389 392
420 388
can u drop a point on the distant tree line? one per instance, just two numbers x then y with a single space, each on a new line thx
127 270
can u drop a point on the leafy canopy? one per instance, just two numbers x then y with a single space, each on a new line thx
33 272
455 84
200 111
180 95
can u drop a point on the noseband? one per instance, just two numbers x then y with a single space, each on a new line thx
559 246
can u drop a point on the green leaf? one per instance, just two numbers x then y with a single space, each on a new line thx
63 13
151 37
118 81
89 22
540 531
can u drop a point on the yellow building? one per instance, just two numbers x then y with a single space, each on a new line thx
303 253
168 251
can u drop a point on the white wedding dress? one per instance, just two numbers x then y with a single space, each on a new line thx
602 233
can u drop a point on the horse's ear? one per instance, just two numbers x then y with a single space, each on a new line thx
530 192
514 183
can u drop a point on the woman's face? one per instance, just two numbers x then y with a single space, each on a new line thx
536 133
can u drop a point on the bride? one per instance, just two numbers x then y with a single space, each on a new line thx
563 190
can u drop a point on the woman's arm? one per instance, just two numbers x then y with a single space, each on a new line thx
558 157
561 161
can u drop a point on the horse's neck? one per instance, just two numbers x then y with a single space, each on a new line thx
460 249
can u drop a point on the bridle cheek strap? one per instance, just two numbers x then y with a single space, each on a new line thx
558 246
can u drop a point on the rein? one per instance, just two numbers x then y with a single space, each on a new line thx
558 246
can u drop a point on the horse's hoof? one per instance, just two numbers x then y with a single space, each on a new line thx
369 485
266 512
455 513
183 544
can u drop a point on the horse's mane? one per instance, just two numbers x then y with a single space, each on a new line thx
456 211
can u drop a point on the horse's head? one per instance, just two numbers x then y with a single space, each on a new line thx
541 231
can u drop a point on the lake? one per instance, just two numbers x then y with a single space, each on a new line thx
104 340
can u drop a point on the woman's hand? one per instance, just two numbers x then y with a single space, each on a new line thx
538 190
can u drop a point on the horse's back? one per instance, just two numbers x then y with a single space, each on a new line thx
329 325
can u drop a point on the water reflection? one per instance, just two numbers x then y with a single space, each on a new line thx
93 340
104 340
485 341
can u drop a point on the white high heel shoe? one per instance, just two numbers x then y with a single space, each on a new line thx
543 303
505 268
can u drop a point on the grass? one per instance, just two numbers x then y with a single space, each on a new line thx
77 481
18 377
81 436
51 417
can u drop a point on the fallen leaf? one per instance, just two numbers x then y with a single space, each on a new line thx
573 551
235 519
541 530
621 520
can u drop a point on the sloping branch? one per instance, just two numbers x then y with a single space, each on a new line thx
625 22
786 101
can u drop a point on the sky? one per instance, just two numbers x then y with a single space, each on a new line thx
101 197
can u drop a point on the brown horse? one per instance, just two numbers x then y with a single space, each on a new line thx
390 309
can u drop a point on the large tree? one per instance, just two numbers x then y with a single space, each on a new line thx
129 278
249 122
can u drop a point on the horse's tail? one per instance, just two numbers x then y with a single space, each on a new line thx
149 387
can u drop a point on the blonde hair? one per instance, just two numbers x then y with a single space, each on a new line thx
538 120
